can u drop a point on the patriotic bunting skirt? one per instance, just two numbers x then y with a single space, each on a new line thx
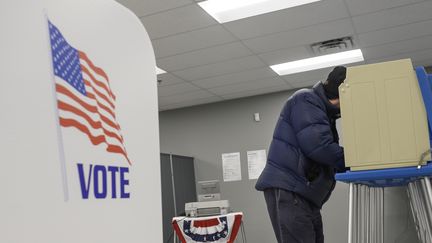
214 229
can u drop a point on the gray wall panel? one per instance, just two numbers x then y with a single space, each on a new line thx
167 196
184 181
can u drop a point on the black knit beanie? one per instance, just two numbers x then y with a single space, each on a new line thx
334 80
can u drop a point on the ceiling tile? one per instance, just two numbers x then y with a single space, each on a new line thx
357 7
304 84
288 19
398 33
178 98
179 20
192 46
204 56
417 57
189 41
248 86
221 68
190 103
141 8
286 55
393 17
261 91
301 37
176 89
248 75
168 79
314 75
399 47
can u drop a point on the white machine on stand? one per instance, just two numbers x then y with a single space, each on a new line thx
209 202
209 208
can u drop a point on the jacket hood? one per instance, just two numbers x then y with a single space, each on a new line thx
332 110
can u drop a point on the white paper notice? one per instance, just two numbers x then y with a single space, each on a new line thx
256 162
231 167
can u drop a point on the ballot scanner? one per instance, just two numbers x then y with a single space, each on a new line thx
209 201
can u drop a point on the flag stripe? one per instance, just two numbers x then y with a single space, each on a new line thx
108 122
102 106
236 227
91 108
95 140
73 123
94 132
88 74
66 107
100 84
112 136
100 102
107 101
90 66
97 70
104 97
61 89
206 223
94 124
118 150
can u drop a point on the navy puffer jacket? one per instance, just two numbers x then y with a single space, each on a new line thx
304 153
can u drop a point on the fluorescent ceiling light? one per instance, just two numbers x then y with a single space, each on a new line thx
159 71
318 62
229 10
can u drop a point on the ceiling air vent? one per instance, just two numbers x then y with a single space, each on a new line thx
333 46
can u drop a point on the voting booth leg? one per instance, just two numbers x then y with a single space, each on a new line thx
366 210
428 190
350 214
420 196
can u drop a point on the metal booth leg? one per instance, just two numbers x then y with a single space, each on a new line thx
427 201
420 196
428 192
366 214
351 216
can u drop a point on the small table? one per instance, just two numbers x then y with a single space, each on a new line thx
218 228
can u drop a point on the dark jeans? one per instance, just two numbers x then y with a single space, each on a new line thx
294 219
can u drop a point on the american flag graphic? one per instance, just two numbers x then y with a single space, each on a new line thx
85 100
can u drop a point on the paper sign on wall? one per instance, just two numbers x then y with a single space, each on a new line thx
256 162
231 167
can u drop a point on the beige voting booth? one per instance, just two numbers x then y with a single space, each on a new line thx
384 120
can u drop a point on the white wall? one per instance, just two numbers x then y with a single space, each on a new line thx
33 207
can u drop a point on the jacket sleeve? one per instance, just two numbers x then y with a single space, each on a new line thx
313 132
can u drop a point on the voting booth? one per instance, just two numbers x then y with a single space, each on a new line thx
386 119
79 124
384 123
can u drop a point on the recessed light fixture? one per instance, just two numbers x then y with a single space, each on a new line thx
230 10
159 71
318 62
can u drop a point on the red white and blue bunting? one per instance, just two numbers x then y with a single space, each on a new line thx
214 229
